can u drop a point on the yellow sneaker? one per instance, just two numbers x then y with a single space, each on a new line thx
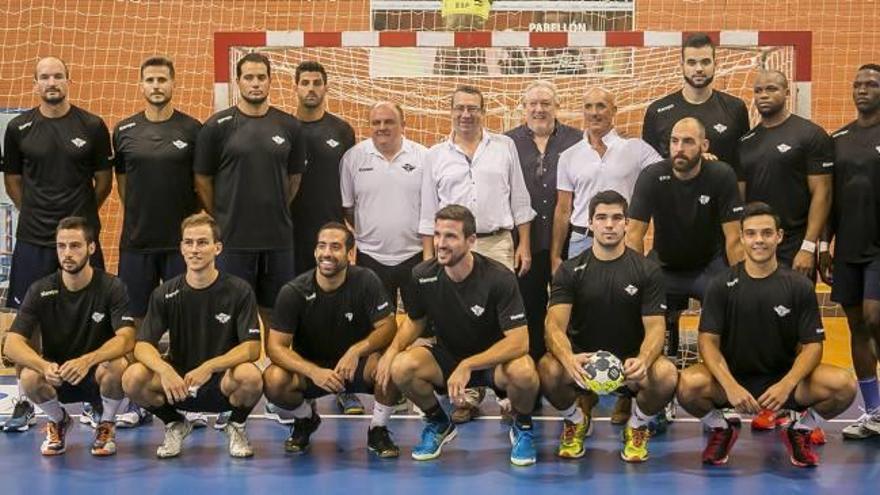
571 442
635 444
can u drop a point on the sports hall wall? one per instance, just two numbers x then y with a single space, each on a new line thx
104 41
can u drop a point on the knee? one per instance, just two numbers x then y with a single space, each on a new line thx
274 380
248 378
844 384
521 373
134 379
665 374
692 383
549 369
112 370
405 367
30 380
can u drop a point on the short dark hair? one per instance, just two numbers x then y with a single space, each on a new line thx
349 236
468 89
874 67
255 57
757 209
309 66
199 219
158 61
607 197
77 223
697 40
460 214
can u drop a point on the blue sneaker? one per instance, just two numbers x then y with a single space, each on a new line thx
89 416
522 452
23 417
133 416
222 420
434 436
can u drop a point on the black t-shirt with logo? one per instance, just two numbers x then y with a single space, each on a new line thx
687 214
761 321
325 324
202 323
609 299
472 315
73 323
57 159
855 216
157 160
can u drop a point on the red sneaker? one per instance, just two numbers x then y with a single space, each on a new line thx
718 446
800 448
765 420
817 436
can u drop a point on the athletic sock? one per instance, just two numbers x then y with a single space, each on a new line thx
166 413
870 394
21 395
808 421
523 421
381 414
303 411
53 410
110 408
573 414
715 419
638 418
240 414
436 414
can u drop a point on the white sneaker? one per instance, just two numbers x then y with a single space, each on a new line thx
174 434
873 422
282 416
198 420
239 446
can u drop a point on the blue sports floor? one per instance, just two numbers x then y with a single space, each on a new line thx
476 462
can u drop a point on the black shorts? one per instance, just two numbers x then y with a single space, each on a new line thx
684 284
266 271
31 262
757 385
208 398
448 362
142 272
357 386
87 390
394 277
855 282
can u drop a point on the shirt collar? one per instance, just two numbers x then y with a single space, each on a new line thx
609 138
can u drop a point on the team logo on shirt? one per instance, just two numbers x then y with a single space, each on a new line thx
180 144
278 139
733 282
477 310
667 107
410 168
79 143
704 199
781 310
631 289
97 317
25 125
222 317
47 293
127 126
720 128
349 316
332 143
783 148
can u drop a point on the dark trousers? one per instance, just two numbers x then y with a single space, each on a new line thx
534 287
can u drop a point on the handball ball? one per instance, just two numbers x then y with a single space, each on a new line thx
603 373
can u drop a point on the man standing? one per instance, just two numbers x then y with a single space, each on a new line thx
56 164
82 315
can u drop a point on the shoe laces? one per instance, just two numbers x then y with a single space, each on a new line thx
639 436
21 406
104 433
717 439
53 432
868 414
569 430
800 440
432 430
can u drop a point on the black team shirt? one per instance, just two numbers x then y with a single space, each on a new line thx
202 323
57 159
609 299
157 160
761 321
73 323
725 117
855 217
775 163
472 315
687 214
325 324
250 159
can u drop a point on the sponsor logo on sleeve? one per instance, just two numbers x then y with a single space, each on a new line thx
172 294
311 297
518 316
224 119
253 331
667 107
47 293
382 306
428 280
827 164
25 125
732 282
664 178
127 126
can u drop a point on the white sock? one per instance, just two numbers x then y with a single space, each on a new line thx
53 410
808 421
715 419
638 418
111 407
21 395
285 414
381 414
303 411
573 414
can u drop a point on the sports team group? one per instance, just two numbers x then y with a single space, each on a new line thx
283 259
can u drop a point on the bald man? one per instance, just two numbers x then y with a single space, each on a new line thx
56 164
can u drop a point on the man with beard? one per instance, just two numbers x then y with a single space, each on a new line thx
56 164
327 138
328 328
214 337
854 272
761 343
82 315
153 157
607 298
695 206
724 116
482 338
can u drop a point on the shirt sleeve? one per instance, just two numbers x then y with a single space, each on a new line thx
649 129
207 156
28 318
415 308
120 314
820 154
296 161
642 207
509 304
102 152
729 203
430 198
714 308
810 327
376 301
743 128
11 152
247 325
346 178
563 178
155 322
288 306
653 290
118 157
647 155
520 201
563 287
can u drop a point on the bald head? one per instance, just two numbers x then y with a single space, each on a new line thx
51 83
687 143
51 64
692 126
